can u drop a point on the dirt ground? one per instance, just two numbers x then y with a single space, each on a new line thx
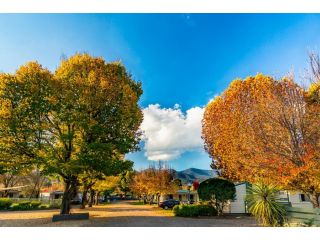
121 214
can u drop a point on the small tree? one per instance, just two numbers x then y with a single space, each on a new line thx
217 191
34 180
125 182
263 204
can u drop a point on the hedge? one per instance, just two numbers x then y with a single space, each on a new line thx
44 206
194 210
5 203
24 205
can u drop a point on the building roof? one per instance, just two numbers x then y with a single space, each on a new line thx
182 191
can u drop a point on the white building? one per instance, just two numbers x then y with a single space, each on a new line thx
295 199
238 205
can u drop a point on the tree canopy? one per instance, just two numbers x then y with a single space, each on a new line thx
262 130
83 116
217 191
153 182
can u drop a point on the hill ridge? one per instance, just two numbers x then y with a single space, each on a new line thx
191 174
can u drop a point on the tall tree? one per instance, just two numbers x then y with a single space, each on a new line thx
76 119
262 130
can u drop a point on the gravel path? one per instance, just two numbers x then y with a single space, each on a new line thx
121 214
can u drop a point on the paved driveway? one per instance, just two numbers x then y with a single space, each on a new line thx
122 214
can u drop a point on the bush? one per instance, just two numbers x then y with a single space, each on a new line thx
25 205
54 205
175 209
5 203
15 207
35 204
206 210
218 191
44 206
194 210
263 204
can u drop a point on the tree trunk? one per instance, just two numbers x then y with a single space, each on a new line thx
150 200
314 199
69 189
5 193
91 200
96 198
84 198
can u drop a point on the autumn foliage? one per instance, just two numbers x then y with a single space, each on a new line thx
264 130
76 122
153 182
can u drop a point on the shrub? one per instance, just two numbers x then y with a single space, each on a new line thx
217 191
206 210
5 203
15 206
35 204
44 206
194 210
263 204
54 205
25 205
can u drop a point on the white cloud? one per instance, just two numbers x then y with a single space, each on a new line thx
168 132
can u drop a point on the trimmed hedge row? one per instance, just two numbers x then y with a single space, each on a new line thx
7 204
194 210
25 205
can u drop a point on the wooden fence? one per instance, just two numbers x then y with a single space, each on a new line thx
303 216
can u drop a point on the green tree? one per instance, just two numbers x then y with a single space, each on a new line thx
125 181
217 191
76 119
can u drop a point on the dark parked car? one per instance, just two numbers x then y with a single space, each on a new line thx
169 204
75 201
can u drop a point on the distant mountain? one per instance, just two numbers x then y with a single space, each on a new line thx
190 174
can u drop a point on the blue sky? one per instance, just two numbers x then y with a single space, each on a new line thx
182 59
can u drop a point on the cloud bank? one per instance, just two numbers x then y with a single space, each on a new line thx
168 132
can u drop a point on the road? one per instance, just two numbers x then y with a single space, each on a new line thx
122 214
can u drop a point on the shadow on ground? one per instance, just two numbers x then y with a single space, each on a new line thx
121 214
166 221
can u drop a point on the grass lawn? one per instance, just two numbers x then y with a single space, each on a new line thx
138 203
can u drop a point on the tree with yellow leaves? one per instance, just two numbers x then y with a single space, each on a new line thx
75 119
153 182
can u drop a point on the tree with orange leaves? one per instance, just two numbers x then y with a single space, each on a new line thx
153 182
263 130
